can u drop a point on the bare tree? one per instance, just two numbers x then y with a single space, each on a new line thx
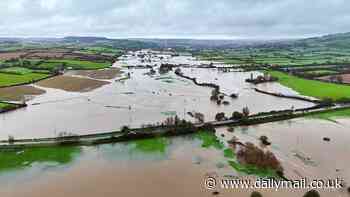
246 111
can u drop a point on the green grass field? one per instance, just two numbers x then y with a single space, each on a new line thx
84 65
278 56
13 79
4 106
16 70
22 71
313 88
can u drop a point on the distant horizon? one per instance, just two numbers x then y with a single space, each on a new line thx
172 37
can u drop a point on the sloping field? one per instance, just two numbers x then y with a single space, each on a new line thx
313 88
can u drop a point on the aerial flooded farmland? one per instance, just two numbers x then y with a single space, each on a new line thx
174 98
143 99
133 94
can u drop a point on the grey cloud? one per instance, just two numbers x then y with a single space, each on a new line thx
174 18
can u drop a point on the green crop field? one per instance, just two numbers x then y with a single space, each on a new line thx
80 64
313 88
13 79
16 70
284 56
6 106
22 71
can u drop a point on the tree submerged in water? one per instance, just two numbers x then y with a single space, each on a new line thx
246 111
253 155
220 116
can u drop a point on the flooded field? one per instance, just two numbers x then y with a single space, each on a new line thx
19 92
300 146
177 164
174 164
84 102
142 99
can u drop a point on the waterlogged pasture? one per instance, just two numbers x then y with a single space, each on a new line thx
21 159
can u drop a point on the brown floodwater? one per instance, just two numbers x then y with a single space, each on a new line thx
139 100
180 169
299 145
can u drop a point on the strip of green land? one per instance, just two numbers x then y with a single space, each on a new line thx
4 106
80 64
13 79
317 89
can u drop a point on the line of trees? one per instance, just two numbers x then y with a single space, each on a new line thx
236 115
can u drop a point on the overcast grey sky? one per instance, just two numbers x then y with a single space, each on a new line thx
174 18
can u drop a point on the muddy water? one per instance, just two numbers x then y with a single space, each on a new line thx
234 82
136 101
121 169
177 170
300 147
